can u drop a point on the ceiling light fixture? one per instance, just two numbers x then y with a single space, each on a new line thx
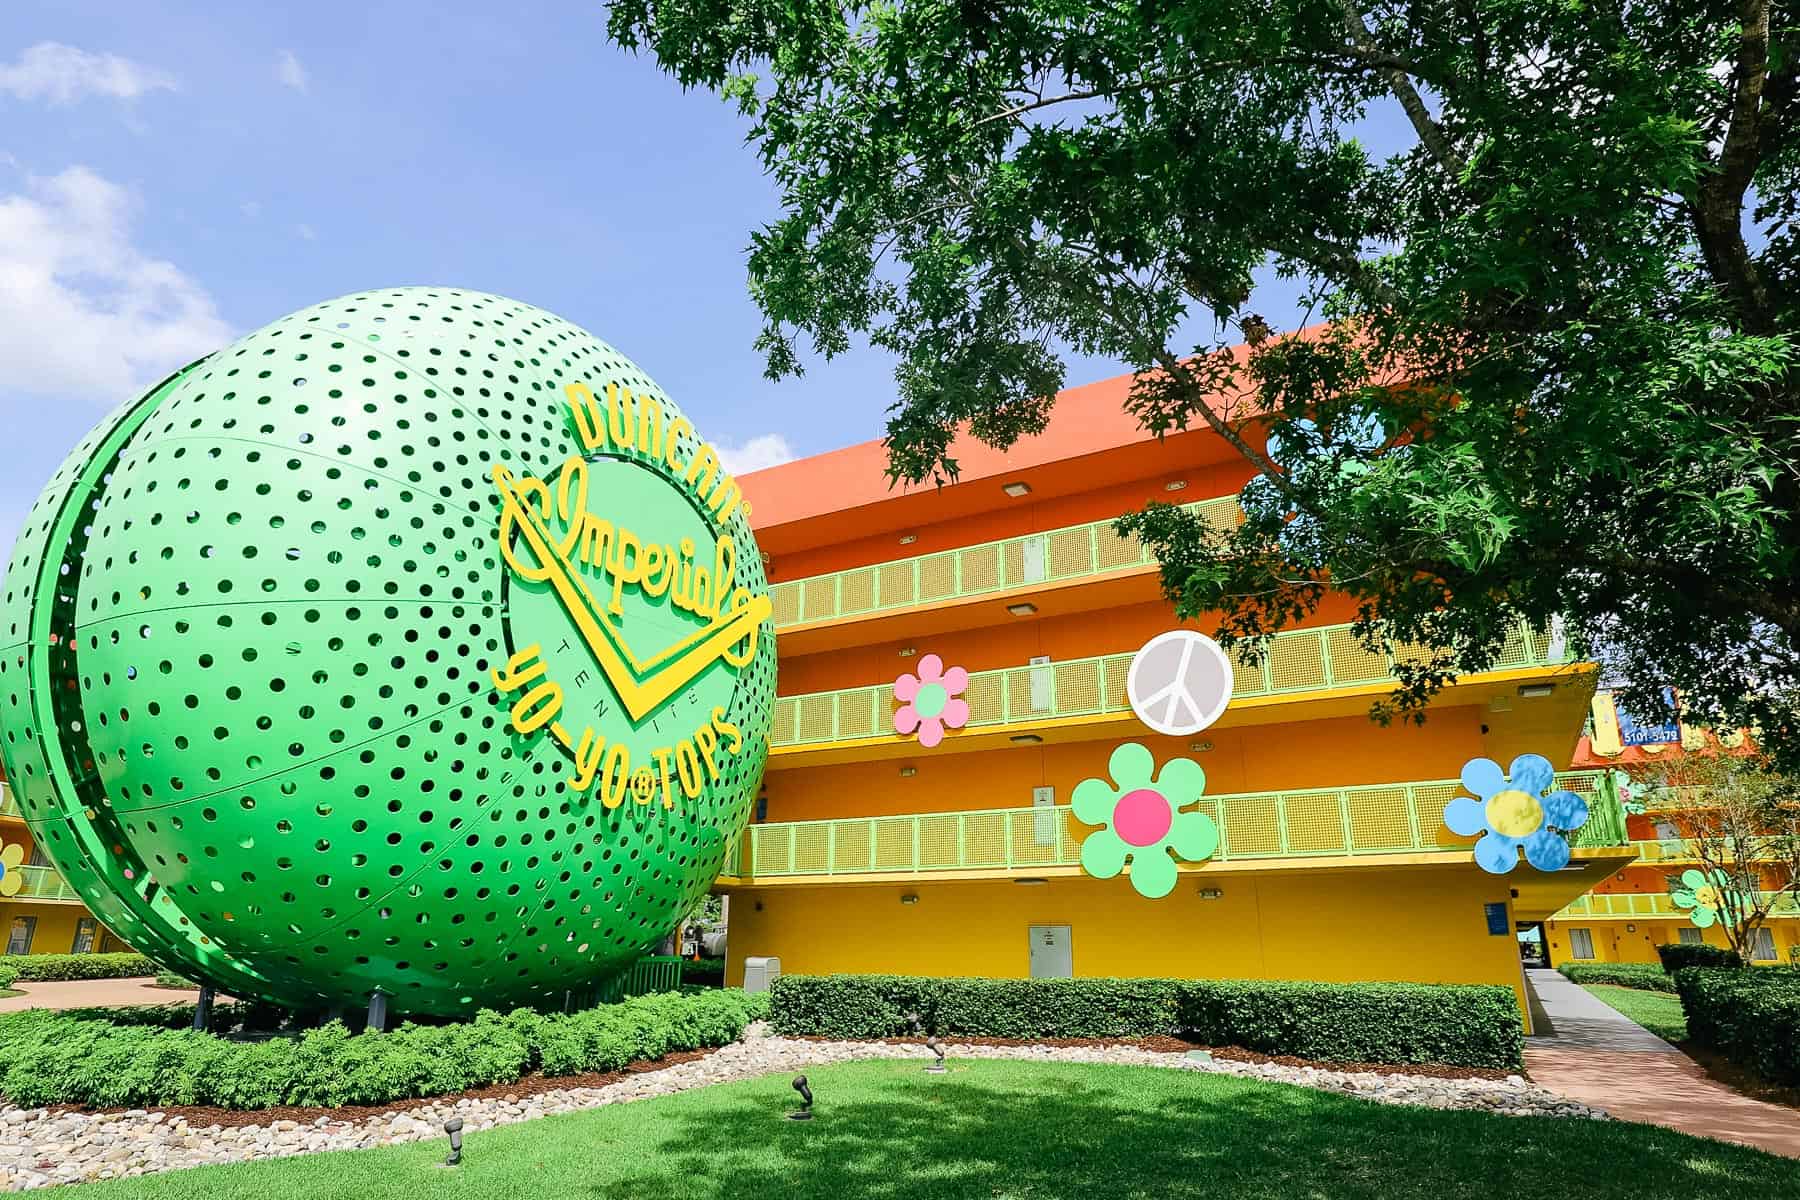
1022 609
1032 881
1175 485
1016 488
1025 739
1536 691
907 539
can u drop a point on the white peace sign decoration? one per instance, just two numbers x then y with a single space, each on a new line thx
1179 683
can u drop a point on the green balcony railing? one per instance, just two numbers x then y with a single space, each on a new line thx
1650 904
1057 554
43 883
651 974
1393 818
1681 850
1301 660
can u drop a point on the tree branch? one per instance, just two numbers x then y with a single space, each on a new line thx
1718 213
1365 58
1399 76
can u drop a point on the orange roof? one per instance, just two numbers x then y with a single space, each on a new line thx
1087 422
1587 758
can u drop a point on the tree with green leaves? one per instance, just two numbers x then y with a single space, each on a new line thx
1545 366
1739 818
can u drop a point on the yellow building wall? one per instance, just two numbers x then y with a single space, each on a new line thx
1424 925
1636 941
55 932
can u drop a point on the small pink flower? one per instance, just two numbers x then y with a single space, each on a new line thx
928 701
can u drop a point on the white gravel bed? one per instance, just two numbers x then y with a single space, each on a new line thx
39 1148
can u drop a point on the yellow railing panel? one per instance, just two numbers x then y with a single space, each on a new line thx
1053 556
1394 818
1300 660
43 883
1650 904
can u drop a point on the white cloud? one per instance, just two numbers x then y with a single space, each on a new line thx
83 312
63 74
767 450
305 232
251 209
289 71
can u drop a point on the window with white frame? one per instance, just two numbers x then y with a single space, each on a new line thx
1581 943
1690 936
1762 946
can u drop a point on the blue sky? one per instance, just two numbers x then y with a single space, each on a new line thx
175 174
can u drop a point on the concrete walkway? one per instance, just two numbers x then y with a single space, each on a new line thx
1594 1054
81 993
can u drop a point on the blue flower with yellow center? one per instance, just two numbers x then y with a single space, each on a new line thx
1512 812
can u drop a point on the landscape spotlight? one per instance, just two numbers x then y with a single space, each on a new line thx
453 1127
931 1043
937 1066
804 1112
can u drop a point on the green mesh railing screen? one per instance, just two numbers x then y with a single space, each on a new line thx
1391 818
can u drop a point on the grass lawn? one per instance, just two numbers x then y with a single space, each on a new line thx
1659 1012
1011 1131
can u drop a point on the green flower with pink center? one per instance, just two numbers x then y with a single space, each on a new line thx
1144 822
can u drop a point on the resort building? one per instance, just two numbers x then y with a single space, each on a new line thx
42 914
1628 915
875 851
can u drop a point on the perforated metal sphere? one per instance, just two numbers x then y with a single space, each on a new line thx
390 648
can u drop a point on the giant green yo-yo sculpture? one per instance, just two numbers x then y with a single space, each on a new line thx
412 644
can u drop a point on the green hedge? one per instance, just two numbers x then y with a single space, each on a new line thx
1751 1017
50 968
8 976
1676 955
703 972
1460 1025
134 1058
1650 977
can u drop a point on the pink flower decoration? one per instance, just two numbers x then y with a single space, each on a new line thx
929 701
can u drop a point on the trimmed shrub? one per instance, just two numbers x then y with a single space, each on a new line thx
703 972
54 968
9 975
1649 977
1751 1017
1458 1025
169 979
141 1057
1676 955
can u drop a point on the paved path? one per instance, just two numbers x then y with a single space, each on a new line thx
1593 1053
81 993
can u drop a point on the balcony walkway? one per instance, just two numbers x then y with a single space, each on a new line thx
1297 663
1594 1054
1302 823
